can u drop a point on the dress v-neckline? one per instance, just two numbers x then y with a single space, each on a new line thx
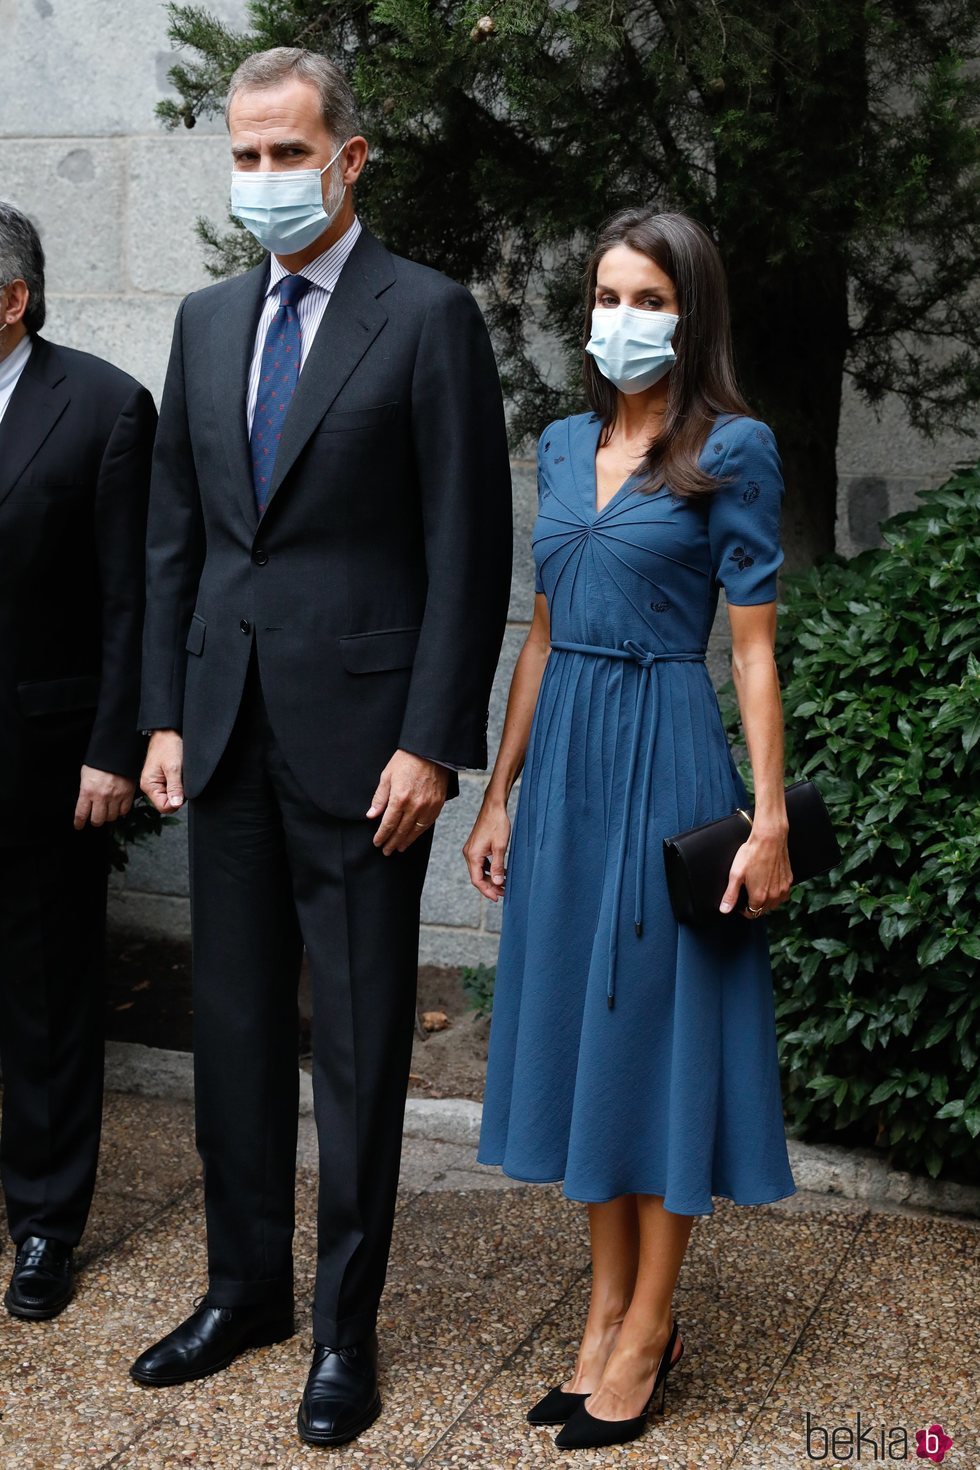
593 480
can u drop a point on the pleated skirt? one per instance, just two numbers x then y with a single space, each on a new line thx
674 1089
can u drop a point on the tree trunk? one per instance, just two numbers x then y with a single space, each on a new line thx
790 331
783 233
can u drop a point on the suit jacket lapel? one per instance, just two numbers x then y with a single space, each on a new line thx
232 342
36 404
352 320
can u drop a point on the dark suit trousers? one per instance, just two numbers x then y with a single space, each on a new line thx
270 873
52 969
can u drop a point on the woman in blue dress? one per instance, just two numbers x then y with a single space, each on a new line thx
631 1057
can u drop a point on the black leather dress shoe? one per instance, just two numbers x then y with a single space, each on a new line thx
42 1280
341 1397
210 1339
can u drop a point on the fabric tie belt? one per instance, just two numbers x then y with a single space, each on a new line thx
633 652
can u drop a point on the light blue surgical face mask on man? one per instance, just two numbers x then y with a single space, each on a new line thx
284 208
631 346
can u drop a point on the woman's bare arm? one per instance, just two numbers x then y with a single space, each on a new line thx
762 862
491 831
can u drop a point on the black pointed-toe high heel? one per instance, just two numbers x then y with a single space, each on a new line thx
557 1407
584 1432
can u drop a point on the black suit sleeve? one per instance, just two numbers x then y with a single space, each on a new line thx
463 468
120 537
174 553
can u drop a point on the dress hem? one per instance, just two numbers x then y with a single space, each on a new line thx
582 1199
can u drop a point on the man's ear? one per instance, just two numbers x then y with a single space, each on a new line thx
355 157
16 298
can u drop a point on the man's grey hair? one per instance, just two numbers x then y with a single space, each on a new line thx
270 68
22 259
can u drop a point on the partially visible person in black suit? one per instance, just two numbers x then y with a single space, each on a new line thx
328 575
76 438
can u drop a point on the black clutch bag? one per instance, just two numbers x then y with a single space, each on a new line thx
699 861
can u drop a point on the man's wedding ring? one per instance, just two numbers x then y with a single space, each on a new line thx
421 824
754 912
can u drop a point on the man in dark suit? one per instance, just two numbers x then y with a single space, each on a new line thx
328 576
76 436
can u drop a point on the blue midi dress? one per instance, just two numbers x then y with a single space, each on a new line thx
630 1054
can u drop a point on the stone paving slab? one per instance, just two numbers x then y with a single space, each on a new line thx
164 1159
747 1289
815 1303
897 1338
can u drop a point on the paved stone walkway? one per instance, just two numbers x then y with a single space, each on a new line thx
812 1304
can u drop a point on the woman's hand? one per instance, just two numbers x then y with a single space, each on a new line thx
489 839
762 864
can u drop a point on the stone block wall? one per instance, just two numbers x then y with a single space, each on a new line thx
116 198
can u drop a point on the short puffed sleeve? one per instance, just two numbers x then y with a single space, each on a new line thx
744 514
543 444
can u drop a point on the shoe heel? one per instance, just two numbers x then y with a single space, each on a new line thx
660 1383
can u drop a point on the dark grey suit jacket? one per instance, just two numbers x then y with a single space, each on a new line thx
375 585
75 446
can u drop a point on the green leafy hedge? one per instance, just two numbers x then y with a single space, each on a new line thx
876 964
140 822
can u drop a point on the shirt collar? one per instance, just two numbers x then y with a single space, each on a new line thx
12 365
325 270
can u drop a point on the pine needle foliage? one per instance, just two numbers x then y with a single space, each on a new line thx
830 146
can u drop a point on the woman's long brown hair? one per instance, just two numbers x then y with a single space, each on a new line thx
701 383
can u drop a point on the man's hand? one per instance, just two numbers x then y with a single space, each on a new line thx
102 797
163 769
411 793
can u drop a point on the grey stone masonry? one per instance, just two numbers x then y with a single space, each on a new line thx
116 199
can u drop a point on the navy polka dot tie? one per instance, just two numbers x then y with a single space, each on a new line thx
277 384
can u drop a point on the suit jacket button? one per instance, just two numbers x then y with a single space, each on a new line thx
245 625
260 557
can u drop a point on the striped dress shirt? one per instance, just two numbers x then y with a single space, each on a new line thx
323 273
11 368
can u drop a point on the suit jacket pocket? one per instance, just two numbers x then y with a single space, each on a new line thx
357 418
371 653
195 635
57 696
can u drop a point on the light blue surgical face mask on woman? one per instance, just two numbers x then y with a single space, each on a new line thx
631 346
284 208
